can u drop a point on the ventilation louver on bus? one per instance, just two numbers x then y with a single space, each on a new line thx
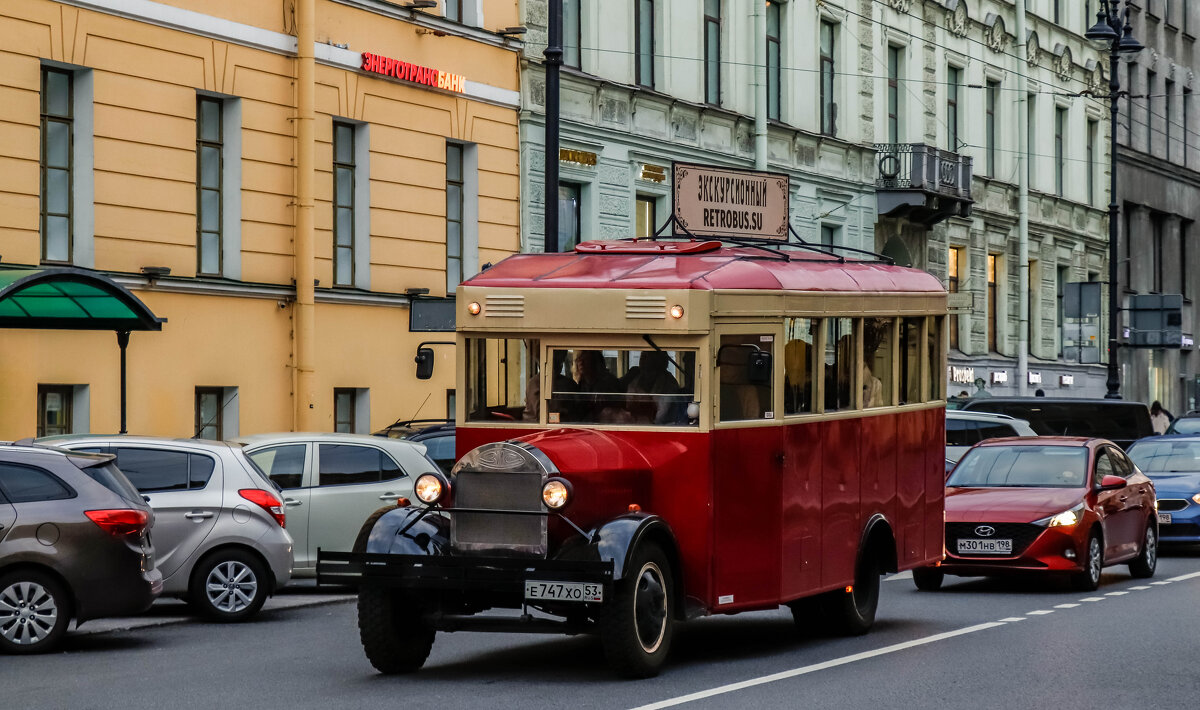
654 307
504 306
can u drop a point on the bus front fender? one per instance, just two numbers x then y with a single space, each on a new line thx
616 539
408 531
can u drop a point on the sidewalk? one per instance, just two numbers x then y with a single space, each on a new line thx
298 593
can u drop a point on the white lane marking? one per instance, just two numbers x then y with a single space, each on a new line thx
1013 618
1138 588
774 677
1182 577
1159 584
1092 599
907 574
1040 612
1116 594
1065 606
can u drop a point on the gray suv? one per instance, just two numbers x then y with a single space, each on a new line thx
219 527
74 544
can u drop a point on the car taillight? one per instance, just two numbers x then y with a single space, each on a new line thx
123 521
267 501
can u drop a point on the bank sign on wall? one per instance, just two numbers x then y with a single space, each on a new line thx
719 202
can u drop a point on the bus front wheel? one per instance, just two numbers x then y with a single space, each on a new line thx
636 625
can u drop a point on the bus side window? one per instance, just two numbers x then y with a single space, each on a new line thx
877 362
910 361
839 364
799 364
744 364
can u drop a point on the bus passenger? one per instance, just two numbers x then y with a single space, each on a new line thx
653 378
592 375
559 382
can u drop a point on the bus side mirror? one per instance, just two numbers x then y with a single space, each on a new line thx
424 360
758 367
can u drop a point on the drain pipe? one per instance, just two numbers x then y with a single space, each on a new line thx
1022 208
760 84
305 324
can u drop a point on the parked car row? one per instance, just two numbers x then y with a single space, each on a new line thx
102 525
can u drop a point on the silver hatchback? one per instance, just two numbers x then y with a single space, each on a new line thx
219 523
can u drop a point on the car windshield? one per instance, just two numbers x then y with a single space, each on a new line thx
1186 425
1165 456
1021 467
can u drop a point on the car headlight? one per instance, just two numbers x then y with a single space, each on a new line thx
556 493
430 488
1196 498
1065 519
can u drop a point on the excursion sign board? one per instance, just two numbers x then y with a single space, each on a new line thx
722 202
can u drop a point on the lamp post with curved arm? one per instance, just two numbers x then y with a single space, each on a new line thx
1112 32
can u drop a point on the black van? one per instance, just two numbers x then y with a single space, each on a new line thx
1119 421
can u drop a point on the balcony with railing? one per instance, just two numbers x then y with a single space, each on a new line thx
922 183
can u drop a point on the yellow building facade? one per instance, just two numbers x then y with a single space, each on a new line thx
214 158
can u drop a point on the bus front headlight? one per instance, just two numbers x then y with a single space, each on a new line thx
430 488
556 493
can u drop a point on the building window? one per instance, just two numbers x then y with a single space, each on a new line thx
952 262
1156 245
1184 273
1169 98
1064 274
209 424
1093 128
58 124
1057 12
209 197
570 208
774 85
454 216
953 82
572 29
893 93
991 98
712 51
343 204
829 234
992 302
828 71
1186 120
54 415
1151 81
1030 149
344 406
644 39
454 10
1060 157
647 221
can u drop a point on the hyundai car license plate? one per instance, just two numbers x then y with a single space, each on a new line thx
1164 518
564 591
968 546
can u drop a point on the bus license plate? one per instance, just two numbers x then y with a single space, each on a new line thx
1164 518
564 591
984 547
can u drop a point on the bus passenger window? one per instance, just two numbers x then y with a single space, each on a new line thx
936 387
500 372
744 365
839 364
634 387
910 361
877 362
799 364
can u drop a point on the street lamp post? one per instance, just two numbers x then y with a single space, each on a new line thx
1113 32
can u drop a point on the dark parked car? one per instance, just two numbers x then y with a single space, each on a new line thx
436 434
1120 421
74 544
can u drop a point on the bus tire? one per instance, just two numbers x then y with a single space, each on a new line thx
395 637
928 579
852 613
637 624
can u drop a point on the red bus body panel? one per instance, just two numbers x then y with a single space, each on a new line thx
762 515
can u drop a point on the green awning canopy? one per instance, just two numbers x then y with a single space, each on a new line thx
64 298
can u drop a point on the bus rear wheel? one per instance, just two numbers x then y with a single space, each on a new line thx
852 612
637 624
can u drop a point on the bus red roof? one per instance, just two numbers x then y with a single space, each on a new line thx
638 265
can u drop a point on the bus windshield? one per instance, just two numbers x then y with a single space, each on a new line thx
639 387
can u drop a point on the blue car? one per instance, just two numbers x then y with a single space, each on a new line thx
1173 463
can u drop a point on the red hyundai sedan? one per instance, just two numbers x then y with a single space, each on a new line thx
1050 504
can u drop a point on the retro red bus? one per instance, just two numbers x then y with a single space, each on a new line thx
654 431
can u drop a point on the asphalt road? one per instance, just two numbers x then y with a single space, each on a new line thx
977 644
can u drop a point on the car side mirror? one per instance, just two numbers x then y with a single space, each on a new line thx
1112 483
424 360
